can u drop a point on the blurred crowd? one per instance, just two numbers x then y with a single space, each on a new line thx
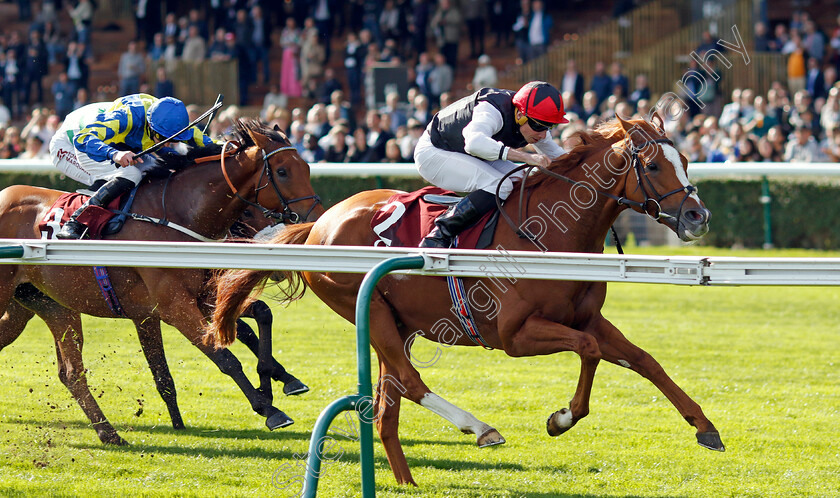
796 120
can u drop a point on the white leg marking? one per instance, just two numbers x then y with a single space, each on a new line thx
624 363
563 418
462 419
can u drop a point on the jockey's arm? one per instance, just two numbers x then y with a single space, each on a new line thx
93 139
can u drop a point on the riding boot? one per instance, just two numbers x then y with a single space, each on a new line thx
458 218
112 189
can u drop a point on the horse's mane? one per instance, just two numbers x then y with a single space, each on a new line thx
588 141
168 162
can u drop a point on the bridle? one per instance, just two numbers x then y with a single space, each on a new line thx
651 206
284 215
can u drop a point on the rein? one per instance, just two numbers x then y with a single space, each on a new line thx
636 164
286 214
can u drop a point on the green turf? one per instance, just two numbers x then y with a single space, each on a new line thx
762 362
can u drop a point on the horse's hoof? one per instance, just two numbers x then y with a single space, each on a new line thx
278 421
490 438
559 422
710 440
295 387
114 439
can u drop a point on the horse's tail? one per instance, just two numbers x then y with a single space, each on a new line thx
237 289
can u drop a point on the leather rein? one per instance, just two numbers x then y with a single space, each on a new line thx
653 198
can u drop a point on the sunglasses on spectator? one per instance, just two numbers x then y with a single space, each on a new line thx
539 126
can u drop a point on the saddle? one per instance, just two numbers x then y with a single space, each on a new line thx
408 217
100 221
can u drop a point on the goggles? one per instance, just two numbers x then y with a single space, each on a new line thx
539 126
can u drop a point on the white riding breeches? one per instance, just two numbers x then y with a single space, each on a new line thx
462 172
80 167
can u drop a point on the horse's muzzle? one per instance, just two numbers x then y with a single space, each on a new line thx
693 224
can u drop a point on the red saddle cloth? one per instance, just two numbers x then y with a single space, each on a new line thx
94 217
407 218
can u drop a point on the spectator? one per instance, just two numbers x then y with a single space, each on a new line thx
392 109
325 13
358 151
446 24
803 147
164 87
571 105
814 80
35 67
539 29
767 153
693 148
172 53
747 151
618 80
345 110
601 84
312 152
780 38
422 110
408 142
485 74
475 12
501 16
642 91
260 43
242 30
12 143
312 56
392 22
813 41
520 30
796 69
195 48
441 78
355 53
590 105
376 135
12 82
316 121
336 151
297 133
157 47
82 15
830 112
572 81
82 99
273 99
392 152
131 68
194 18
422 70
328 86
5 114
217 49
831 144
53 41
731 112
170 25
33 148
762 41
761 121
418 25
290 42
63 94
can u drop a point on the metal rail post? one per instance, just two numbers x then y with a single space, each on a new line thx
765 199
363 401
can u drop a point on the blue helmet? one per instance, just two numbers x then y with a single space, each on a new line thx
168 116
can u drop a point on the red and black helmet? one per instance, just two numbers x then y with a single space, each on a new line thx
542 104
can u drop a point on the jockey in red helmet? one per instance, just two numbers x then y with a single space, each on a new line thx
472 143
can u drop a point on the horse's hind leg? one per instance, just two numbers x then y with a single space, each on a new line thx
148 332
13 322
616 348
387 417
267 366
66 328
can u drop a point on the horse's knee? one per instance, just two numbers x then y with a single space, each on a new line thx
228 363
588 347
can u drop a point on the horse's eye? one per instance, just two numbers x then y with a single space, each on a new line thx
281 173
652 167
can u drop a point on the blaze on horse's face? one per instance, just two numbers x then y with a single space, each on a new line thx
661 174
288 188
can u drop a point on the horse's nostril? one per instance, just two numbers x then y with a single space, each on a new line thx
698 216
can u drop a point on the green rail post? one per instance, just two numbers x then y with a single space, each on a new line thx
363 401
765 199
11 252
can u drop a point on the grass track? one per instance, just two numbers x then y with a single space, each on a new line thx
762 362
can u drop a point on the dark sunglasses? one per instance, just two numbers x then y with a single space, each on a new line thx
539 126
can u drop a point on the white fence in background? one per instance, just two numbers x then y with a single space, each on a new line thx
679 270
695 170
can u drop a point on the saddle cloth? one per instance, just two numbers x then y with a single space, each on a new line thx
94 217
406 218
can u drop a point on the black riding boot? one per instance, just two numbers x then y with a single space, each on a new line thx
458 218
112 189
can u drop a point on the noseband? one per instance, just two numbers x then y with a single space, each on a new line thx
653 201
286 214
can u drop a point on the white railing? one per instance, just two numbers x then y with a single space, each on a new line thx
678 270
407 170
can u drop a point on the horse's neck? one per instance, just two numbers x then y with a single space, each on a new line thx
570 217
200 199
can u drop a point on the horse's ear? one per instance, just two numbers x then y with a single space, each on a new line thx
625 125
277 127
657 122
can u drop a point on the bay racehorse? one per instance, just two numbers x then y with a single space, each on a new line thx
567 207
207 193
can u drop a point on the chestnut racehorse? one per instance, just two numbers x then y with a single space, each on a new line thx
263 171
568 207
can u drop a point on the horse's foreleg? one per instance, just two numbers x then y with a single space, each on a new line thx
616 348
387 404
267 367
190 322
148 332
539 336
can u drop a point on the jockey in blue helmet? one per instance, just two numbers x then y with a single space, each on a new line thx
98 145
